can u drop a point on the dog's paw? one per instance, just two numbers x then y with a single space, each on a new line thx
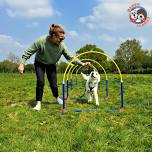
89 100
97 104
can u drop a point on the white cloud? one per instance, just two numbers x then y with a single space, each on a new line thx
143 40
108 38
111 14
28 8
8 40
9 44
123 39
33 24
72 33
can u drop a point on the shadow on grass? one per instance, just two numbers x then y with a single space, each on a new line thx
82 100
32 103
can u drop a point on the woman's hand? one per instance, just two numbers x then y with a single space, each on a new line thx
87 63
21 68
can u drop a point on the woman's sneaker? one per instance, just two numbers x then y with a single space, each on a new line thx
59 101
38 106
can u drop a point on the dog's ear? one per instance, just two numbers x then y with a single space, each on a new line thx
82 73
84 76
98 77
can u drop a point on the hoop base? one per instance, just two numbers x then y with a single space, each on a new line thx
122 109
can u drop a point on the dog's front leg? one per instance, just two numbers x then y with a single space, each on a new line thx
96 98
89 96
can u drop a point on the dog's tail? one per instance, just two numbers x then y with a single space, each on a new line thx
84 76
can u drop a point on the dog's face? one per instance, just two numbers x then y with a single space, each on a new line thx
134 14
141 17
94 75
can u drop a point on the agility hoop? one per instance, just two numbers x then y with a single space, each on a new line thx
101 53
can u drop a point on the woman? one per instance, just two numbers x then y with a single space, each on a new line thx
48 49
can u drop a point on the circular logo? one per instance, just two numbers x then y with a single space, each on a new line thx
138 15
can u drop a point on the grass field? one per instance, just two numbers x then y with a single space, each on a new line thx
107 130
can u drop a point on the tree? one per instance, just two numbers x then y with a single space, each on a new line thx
13 58
8 67
30 68
61 67
147 59
94 56
129 55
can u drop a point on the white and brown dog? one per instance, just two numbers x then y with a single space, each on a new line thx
91 89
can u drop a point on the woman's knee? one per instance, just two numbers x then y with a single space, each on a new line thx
54 87
40 83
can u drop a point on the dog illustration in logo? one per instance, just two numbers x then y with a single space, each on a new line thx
142 15
138 15
133 16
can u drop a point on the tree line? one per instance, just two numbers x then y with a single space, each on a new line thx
130 57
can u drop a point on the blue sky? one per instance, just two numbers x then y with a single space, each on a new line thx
104 23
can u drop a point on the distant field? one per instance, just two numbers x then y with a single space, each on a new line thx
106 130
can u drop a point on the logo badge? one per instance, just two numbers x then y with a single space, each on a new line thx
138 15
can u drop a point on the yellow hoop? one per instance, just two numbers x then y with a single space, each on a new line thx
82 67
71 68
96 63
87 52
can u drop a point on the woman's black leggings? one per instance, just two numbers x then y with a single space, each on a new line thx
50 70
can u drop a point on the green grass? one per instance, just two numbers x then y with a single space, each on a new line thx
107 130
